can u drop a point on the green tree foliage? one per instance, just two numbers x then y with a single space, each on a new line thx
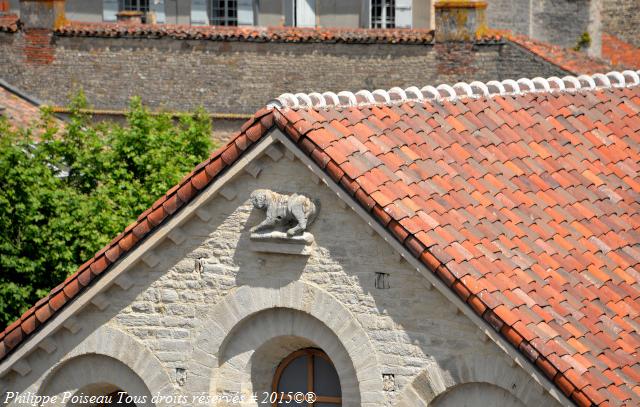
68 192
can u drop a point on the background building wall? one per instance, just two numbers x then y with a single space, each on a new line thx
330 13
564 22
339 13
514 15
14 6
185 308
84 10
423 14
178 11
561 22
240 77
622 19
270 13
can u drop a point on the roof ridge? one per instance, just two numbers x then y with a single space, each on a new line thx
460 90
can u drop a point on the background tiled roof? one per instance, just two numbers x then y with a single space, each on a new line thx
249 33
9 23
575 62
620 53
18 109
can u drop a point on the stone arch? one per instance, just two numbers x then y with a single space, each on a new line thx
120 352
476 394
94 375
259 343
443 376
317 311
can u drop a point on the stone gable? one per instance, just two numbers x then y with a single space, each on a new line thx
206 315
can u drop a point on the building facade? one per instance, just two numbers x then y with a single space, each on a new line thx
299 13
234 70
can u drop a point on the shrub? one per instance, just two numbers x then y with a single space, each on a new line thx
66 194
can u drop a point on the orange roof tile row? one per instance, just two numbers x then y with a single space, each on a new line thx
574 62
249 33
18 110
9 23
620 53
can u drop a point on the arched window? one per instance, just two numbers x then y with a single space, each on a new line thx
308 370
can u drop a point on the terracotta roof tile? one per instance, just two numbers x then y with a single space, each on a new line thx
9 23
20 110
620 53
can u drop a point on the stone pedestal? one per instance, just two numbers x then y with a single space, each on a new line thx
280 243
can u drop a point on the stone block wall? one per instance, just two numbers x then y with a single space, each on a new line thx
199 314
241 77
564 22
622 19
561 22
514 15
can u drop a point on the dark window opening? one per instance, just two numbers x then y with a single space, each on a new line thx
134 5
223 12
307 370
118 398
383 14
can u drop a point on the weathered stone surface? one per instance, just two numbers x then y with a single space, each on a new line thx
622 19
240 77
228 325
561 22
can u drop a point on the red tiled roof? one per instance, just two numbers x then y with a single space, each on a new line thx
574 62
9 23
620 53
249 33
526 206
17 109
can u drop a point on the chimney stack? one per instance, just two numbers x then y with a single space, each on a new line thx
42 14
460 20
4 7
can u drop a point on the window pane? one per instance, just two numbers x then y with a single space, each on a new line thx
326 380
391 14
134 5
294 377
223 12
383 13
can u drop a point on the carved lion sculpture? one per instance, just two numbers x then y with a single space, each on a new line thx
284 210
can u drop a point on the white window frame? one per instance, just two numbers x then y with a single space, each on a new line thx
138 6
227 20
384 18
